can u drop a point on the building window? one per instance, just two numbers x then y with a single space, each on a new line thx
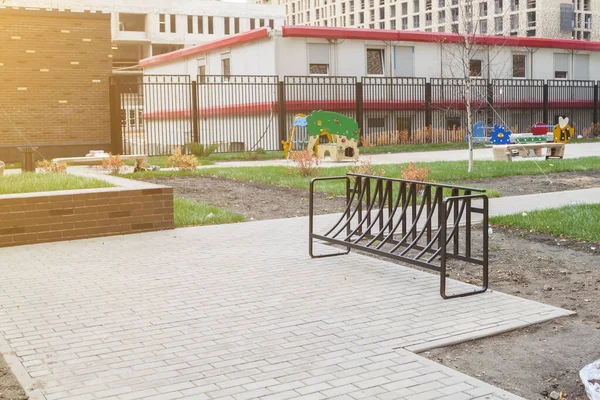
393 24
318 59
416 6
531 19
211 29
226 66
442 3
582 66
498 25
475 68
382 13
514 5
202 71
375 61
190 24
561 66
361 18
404 23
404 8
236 25
173 23
132 22
483 9
226 25
416 21
499 7
519 65
162 23
514 22
272 24
200 24
442 17
252 24
483 28
530 3
392 11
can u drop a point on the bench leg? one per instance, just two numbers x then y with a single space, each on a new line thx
501 153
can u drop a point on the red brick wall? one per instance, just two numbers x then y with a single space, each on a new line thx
54 71
52 216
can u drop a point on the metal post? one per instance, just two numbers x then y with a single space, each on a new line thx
195 124
116 134
545 118
281 112
490 101
359 106
595 112
428 116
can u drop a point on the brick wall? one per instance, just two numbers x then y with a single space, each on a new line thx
54 71
54 216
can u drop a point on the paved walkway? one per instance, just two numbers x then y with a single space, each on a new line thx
573 150
236 312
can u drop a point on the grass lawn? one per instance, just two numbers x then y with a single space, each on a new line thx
31 182
193 213
441 172
411 148
577 222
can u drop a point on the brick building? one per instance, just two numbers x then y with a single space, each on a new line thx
54 72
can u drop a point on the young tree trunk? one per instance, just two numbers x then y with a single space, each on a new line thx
469 122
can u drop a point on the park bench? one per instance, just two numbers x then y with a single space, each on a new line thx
505 152
141 160
420 223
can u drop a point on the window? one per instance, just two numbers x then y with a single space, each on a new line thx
361 18
375 61
442 3
272 24
428 18
514 22
236 25
514 5
498 6
252 23
382 13
404 61
519 65
475 68
226 25
393 24
201 24
404 8
441 29
454 12
416 6
582 66
376 122
132 22
530 3
226 66
211 29
173 23
442 17
483 27
483 9
405 23
372 15
318 59
416 21
201 71
382 25
531 19
498 25
190 24
392 11
561 66
162 24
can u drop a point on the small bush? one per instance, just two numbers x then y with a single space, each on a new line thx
201 150
365 142
252 155
414 173
306 164
113 164
51 166
260 150
182 161
365 167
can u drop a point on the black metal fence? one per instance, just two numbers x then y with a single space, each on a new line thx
153 114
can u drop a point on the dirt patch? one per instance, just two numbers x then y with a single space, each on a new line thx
537 360
256 201
532 184
9 386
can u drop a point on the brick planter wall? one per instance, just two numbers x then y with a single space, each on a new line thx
77 214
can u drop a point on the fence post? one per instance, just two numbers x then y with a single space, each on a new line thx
359 107
195 124
281 111
595 114
428 112
116 134
490 101
545 114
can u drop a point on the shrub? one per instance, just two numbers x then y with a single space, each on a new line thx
365 142
201 150
414 173
306 164
182 161
113 164
51 166
260 150
365 167
252 155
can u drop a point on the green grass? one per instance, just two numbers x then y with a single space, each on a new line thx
193 213
31 182
411 148
441 172
578 222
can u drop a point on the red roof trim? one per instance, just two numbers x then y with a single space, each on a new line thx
434 37
229 41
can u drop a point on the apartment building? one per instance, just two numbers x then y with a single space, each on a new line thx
145 28
563 19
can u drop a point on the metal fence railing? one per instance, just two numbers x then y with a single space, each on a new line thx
153 114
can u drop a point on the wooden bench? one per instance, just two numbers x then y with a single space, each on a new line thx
141 160
505 152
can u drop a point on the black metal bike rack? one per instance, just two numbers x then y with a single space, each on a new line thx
408 221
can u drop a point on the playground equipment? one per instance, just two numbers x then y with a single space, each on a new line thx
341 132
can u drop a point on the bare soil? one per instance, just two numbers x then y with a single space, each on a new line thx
532 184
9 386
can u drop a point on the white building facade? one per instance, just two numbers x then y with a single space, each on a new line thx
145 28
563 19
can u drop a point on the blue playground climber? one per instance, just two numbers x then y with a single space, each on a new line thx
500 135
